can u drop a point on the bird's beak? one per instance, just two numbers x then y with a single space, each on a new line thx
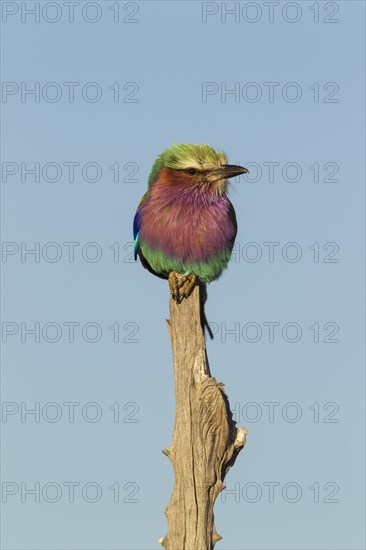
231 170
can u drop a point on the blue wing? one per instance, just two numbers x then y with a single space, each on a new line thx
137 227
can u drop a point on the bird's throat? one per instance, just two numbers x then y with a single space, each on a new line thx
172 187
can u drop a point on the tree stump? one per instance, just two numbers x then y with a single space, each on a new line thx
205 442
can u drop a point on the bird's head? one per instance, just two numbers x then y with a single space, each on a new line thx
199 167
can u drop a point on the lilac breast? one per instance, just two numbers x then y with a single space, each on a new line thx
185 225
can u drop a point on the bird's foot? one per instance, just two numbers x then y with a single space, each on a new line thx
181 285
188 284
173 285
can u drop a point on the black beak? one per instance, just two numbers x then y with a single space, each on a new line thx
231 170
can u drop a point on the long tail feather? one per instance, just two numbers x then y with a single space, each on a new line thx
204 321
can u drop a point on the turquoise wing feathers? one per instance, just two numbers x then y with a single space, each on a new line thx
137 227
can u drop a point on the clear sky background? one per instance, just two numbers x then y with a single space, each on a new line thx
288 316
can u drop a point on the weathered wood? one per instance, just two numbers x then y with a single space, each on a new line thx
205 442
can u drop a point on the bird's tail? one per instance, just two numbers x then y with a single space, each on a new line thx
203 298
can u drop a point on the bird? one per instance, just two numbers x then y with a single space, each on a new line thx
185 225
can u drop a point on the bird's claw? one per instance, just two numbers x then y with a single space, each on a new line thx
181 285
173 285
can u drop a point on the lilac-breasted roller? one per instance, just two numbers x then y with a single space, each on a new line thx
185 225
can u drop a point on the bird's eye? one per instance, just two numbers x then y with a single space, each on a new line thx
192 171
